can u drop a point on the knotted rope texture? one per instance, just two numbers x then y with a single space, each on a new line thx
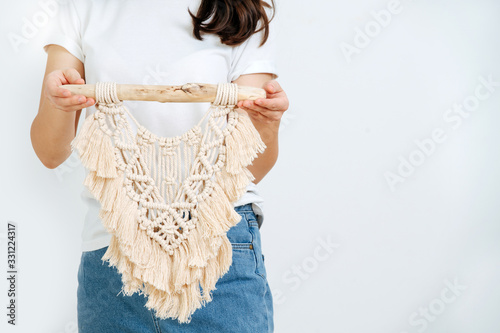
168 201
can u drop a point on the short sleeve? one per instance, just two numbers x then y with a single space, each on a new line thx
64 30
249 58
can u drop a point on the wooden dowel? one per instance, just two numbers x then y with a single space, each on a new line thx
190 92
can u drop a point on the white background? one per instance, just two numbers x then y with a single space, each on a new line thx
352 119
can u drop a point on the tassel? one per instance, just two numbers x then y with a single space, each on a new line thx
161 274
224 257
90 155
210 278
116 258
105 190
216 214
234 185
113 187
95 148
180 305
191 300
179 265
181 301
111 218
200 252
81 140
139 246
94 184
163 303
128 227
106 164
242 145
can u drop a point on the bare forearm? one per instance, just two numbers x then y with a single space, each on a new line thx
51 133
54 127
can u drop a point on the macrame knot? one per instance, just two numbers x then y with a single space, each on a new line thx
227 94
193 137
105 94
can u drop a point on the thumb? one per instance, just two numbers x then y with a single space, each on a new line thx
73 76
273 87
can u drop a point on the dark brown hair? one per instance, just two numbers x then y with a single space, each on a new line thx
234 21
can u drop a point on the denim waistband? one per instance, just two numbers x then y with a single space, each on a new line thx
244 208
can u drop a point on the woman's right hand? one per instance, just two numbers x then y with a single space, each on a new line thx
61 98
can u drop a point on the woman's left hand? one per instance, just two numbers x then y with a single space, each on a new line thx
269 109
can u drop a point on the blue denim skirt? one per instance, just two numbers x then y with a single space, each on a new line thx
242 301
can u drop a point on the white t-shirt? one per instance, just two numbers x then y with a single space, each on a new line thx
151 42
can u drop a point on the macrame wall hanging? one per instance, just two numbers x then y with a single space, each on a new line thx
168 202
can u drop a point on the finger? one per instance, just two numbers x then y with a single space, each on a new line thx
54 90
76 100
275 104
266 113
260 117
73 76
273 87
72 108
61 77
254 114
256 109
251 105
269 115
269 104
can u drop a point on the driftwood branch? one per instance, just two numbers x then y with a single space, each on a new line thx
190 92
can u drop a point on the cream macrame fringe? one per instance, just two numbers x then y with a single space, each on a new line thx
158 253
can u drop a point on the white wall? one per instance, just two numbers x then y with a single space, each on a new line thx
395 250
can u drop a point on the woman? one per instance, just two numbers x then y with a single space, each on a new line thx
155 42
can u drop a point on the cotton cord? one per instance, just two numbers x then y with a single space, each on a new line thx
227 94
168 201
